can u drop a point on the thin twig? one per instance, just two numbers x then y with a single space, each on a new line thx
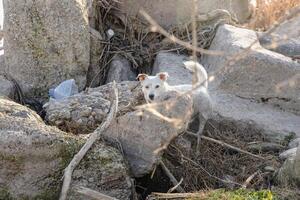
249 179
93 194
226 145
194 42
171 177
93 137
158 28
153 171
176 195
176 186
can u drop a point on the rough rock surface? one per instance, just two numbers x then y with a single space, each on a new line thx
139 132
280 44
170 13
257 74
289 28
254 118
173 64
289 173
46 42
285 39
290 153
120 70
2 62
33 156
144 135
6 87
294 143
238 113
103 169
83 112
93 75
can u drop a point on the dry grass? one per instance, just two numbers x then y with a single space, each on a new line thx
220 167
268 12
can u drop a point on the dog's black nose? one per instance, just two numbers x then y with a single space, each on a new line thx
151 96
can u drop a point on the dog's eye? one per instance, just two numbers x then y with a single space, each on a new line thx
157 86
147 87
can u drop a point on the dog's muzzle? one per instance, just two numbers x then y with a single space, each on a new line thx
151 96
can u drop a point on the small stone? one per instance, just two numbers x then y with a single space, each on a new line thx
59 122
86 112
269 169
294 143
91 179
79 121
120 70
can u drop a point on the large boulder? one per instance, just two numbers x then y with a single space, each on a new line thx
34 155
46 42
243 116
146 132
170 13
173 64
255 73
289 173
84 112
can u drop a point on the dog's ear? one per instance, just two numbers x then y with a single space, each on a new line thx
163 76
142 77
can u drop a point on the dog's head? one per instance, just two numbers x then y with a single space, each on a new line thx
153 86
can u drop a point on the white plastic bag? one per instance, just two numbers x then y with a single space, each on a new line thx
63 90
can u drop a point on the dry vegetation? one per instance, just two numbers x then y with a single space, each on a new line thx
268 12
216 166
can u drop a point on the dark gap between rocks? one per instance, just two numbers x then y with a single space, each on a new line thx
158 183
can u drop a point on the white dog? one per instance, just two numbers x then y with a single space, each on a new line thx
154 86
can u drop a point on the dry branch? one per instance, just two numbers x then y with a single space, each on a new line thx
176 186
225 145
171 177
176 195
93 194
157 28
249 179
93 137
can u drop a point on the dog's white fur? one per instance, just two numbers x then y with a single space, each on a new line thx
154 86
